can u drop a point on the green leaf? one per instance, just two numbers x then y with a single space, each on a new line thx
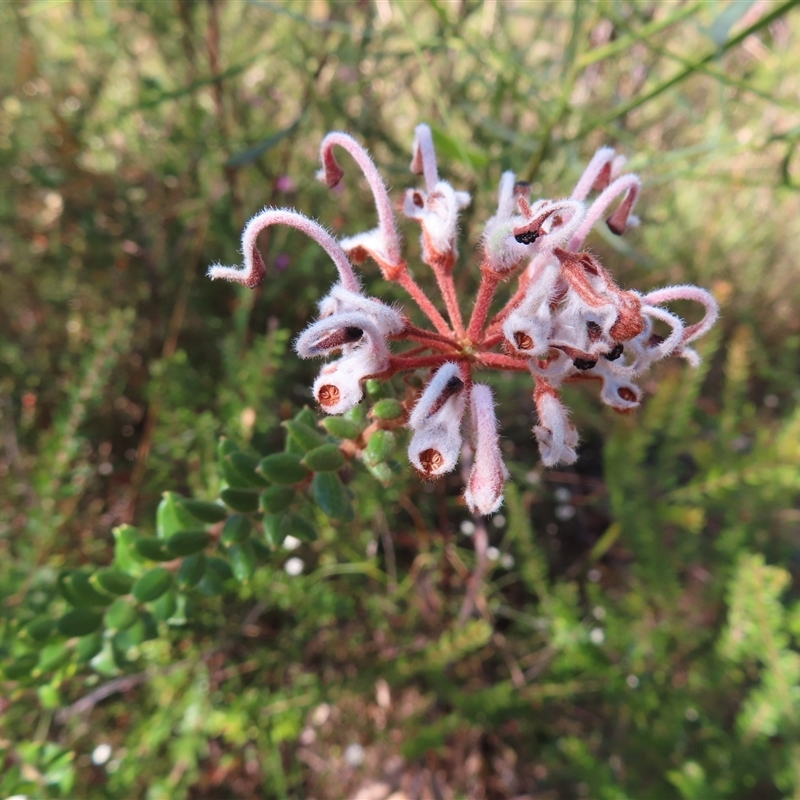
88 647
40 629
126 557
326 458
276 499
171 516
217 572
342 427
205 511
220 567
244 500
113 581
387 409
302 529
245 465
379 448
21 667
186 543
153 549
236 529
383 472
53 656
307 438
152 585
330 496
121 614
104 661
276 528
80 622
165 606
76 588
283 468
243 561
192 570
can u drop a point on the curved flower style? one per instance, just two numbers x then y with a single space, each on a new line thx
567 321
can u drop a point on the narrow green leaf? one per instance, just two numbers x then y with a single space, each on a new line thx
113 581
244 500
126 558
88 647
302 529
236 529
276 499
388 408
205 511
243 561
308 438
80 622
192 570
40 629
78 590
342 427
326 458
53 656
121 614
379 448
283 468
152 585
185 543
245 464
165 606
171 516
330 496
153 549
21 667
276 529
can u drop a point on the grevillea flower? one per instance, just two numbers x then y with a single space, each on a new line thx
566 321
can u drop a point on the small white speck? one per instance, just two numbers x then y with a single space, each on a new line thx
467 527
533 477
691 714
594 575
321 714
597 636
506 561
771 401
354 755
551 528
106 468
598 612
492 553
563 495
291 543
498 520
564 513
632 681
101 754
294 566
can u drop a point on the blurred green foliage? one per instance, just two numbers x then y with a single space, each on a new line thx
635 631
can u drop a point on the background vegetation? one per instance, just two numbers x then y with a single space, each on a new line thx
636 631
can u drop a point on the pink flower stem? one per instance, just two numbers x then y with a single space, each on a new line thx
401 363
421 299
500 361
483 302
491 340
444 277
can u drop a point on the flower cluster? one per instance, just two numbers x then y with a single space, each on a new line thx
567 320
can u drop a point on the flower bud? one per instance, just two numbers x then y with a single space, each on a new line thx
556 436
436 422
437 213
387 319
484 492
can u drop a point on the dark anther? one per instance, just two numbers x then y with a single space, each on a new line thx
584 363
628 395
655 340
527 237
524 342
615 352
416 198
353 334
595 331
455 384
522 188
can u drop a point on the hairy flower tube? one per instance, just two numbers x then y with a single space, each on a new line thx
567 319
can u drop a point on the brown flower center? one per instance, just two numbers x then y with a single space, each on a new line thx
328 395
524 342
627 394
431 460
